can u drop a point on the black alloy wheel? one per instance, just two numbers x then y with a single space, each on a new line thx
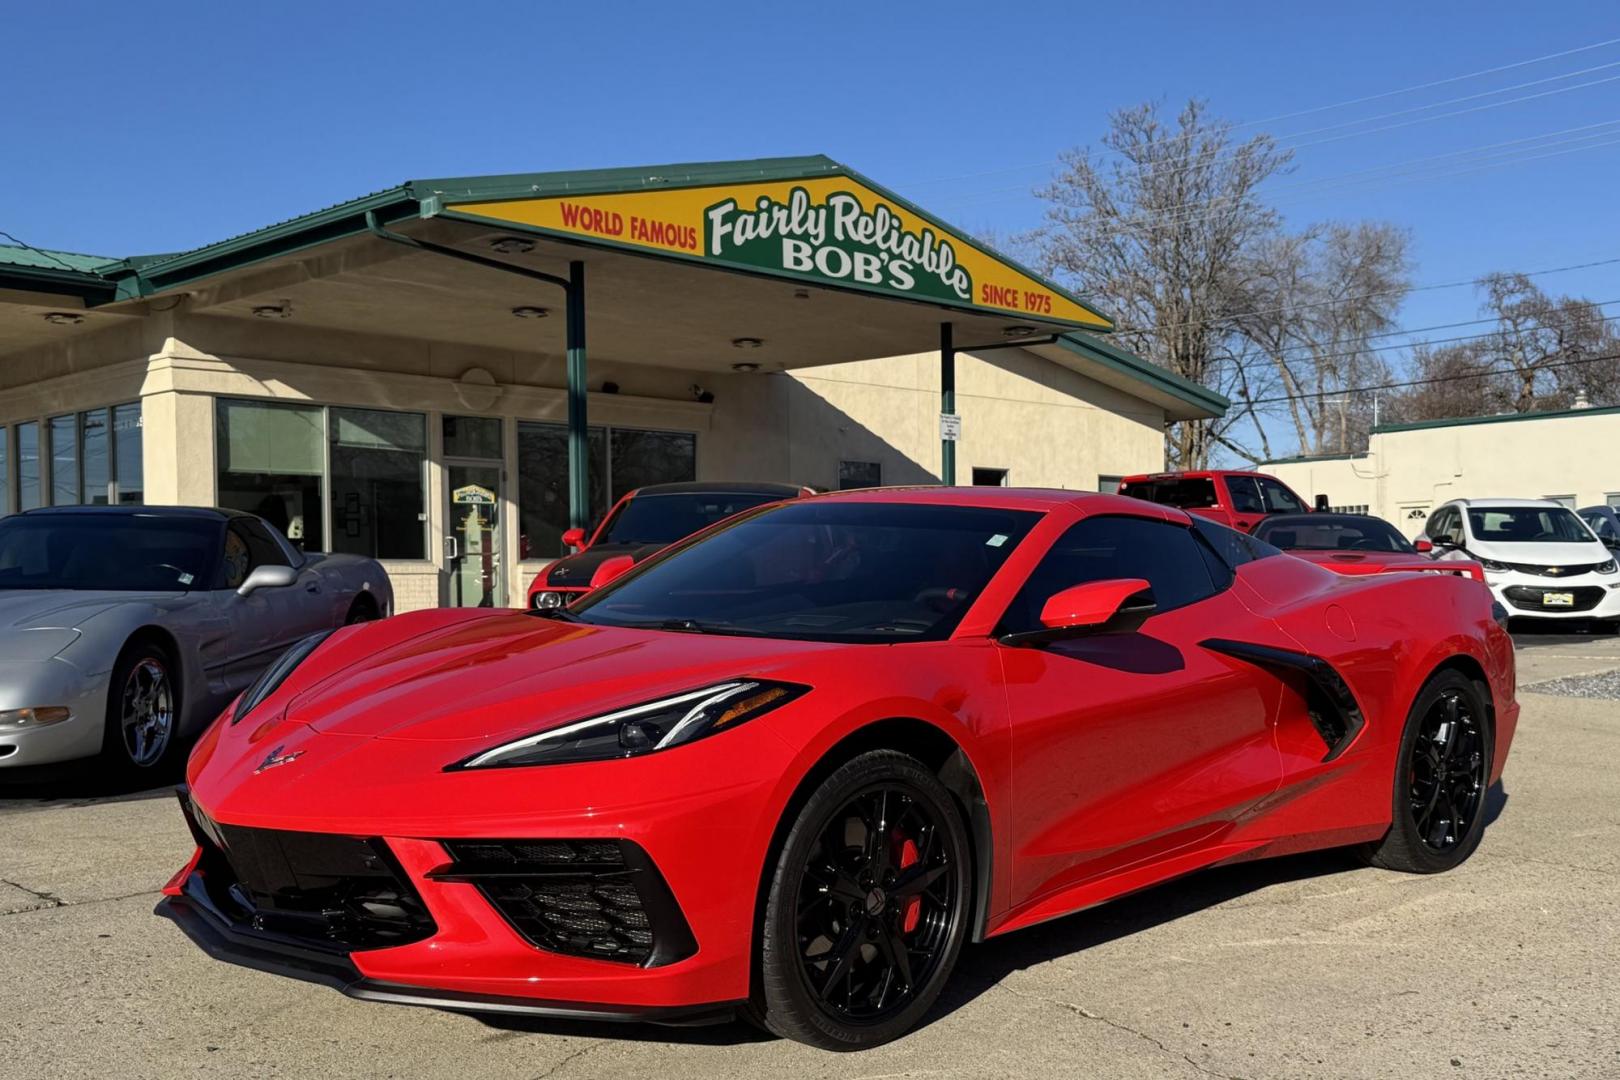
1442 773
868 906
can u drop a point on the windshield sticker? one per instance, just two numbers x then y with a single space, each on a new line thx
186 579
996 540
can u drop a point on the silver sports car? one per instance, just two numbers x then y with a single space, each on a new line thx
126 629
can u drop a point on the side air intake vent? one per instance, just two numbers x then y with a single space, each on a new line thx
1332 707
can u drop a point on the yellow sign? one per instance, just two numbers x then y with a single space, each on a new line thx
833 230
474 494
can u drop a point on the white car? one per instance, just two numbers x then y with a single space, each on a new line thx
1540 559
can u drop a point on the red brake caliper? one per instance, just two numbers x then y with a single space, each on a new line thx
913 911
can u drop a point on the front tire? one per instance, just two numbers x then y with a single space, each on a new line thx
867 906
1441 775
142 735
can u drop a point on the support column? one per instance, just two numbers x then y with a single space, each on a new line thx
579 455
947 403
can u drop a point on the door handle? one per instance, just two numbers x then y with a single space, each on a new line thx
452 549
313 587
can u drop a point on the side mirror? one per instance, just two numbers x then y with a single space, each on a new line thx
1446 541
1322 504
268 577
1422 546
611 569
1116 606
574 538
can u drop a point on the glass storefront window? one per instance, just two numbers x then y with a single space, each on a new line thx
128 464
29 495
5 471
64 431
472 437
271 461
621 459
94 440
377 463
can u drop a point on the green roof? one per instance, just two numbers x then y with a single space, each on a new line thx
1163 379
41 259
1503 418
1302 458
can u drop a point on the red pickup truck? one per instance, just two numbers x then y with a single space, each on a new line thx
1238 499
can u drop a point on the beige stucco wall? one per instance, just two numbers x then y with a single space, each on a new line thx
1046 425
1405 474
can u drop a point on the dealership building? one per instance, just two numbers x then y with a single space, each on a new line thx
447 374
1409 469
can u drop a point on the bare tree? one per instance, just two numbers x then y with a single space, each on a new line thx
1543 353
1316 301
1156 227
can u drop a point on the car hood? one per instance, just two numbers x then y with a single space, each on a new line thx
575 571
1572 554
482 680
46 609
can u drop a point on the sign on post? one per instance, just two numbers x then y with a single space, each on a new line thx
950 427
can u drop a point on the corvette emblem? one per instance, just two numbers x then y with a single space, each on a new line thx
276 757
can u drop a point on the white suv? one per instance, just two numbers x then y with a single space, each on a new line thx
1540 559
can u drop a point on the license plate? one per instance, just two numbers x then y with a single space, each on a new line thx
1557 599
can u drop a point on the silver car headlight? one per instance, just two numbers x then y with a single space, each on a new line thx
270 680
1495 567
1606 567
549 601
643 729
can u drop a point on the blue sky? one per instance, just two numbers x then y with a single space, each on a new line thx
137 127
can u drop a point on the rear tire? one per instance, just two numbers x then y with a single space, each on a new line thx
142 735
867 906
1442 771
364 609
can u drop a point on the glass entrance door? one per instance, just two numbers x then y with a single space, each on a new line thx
473 542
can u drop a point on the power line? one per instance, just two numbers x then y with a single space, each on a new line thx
1363 296
40 251
1427 381
1305 112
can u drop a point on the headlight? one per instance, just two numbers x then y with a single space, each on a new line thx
276 674
23 719
1606 567
547 601
644 729
1494 566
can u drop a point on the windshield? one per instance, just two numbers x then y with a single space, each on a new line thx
822 571
1332 532
664 519
1527 525
107 552
1186 493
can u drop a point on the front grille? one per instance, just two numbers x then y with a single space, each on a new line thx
326 890
1530 598
602 899
1543 570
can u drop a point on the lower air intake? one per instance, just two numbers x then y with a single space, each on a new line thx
602 899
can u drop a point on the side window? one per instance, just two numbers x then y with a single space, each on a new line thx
1245 495
1100 548
249 545
1279 500
1443 524
1234 548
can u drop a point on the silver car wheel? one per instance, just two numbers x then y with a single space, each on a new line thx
148 712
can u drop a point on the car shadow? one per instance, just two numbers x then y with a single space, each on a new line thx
986 965
79 781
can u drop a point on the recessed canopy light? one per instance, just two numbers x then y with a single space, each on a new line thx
801 294
531 312
63 318
745 367
1019 331
512 245
746 342
282 310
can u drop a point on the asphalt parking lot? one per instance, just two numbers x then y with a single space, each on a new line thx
1302 967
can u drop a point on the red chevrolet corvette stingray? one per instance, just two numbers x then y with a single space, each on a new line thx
789 767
